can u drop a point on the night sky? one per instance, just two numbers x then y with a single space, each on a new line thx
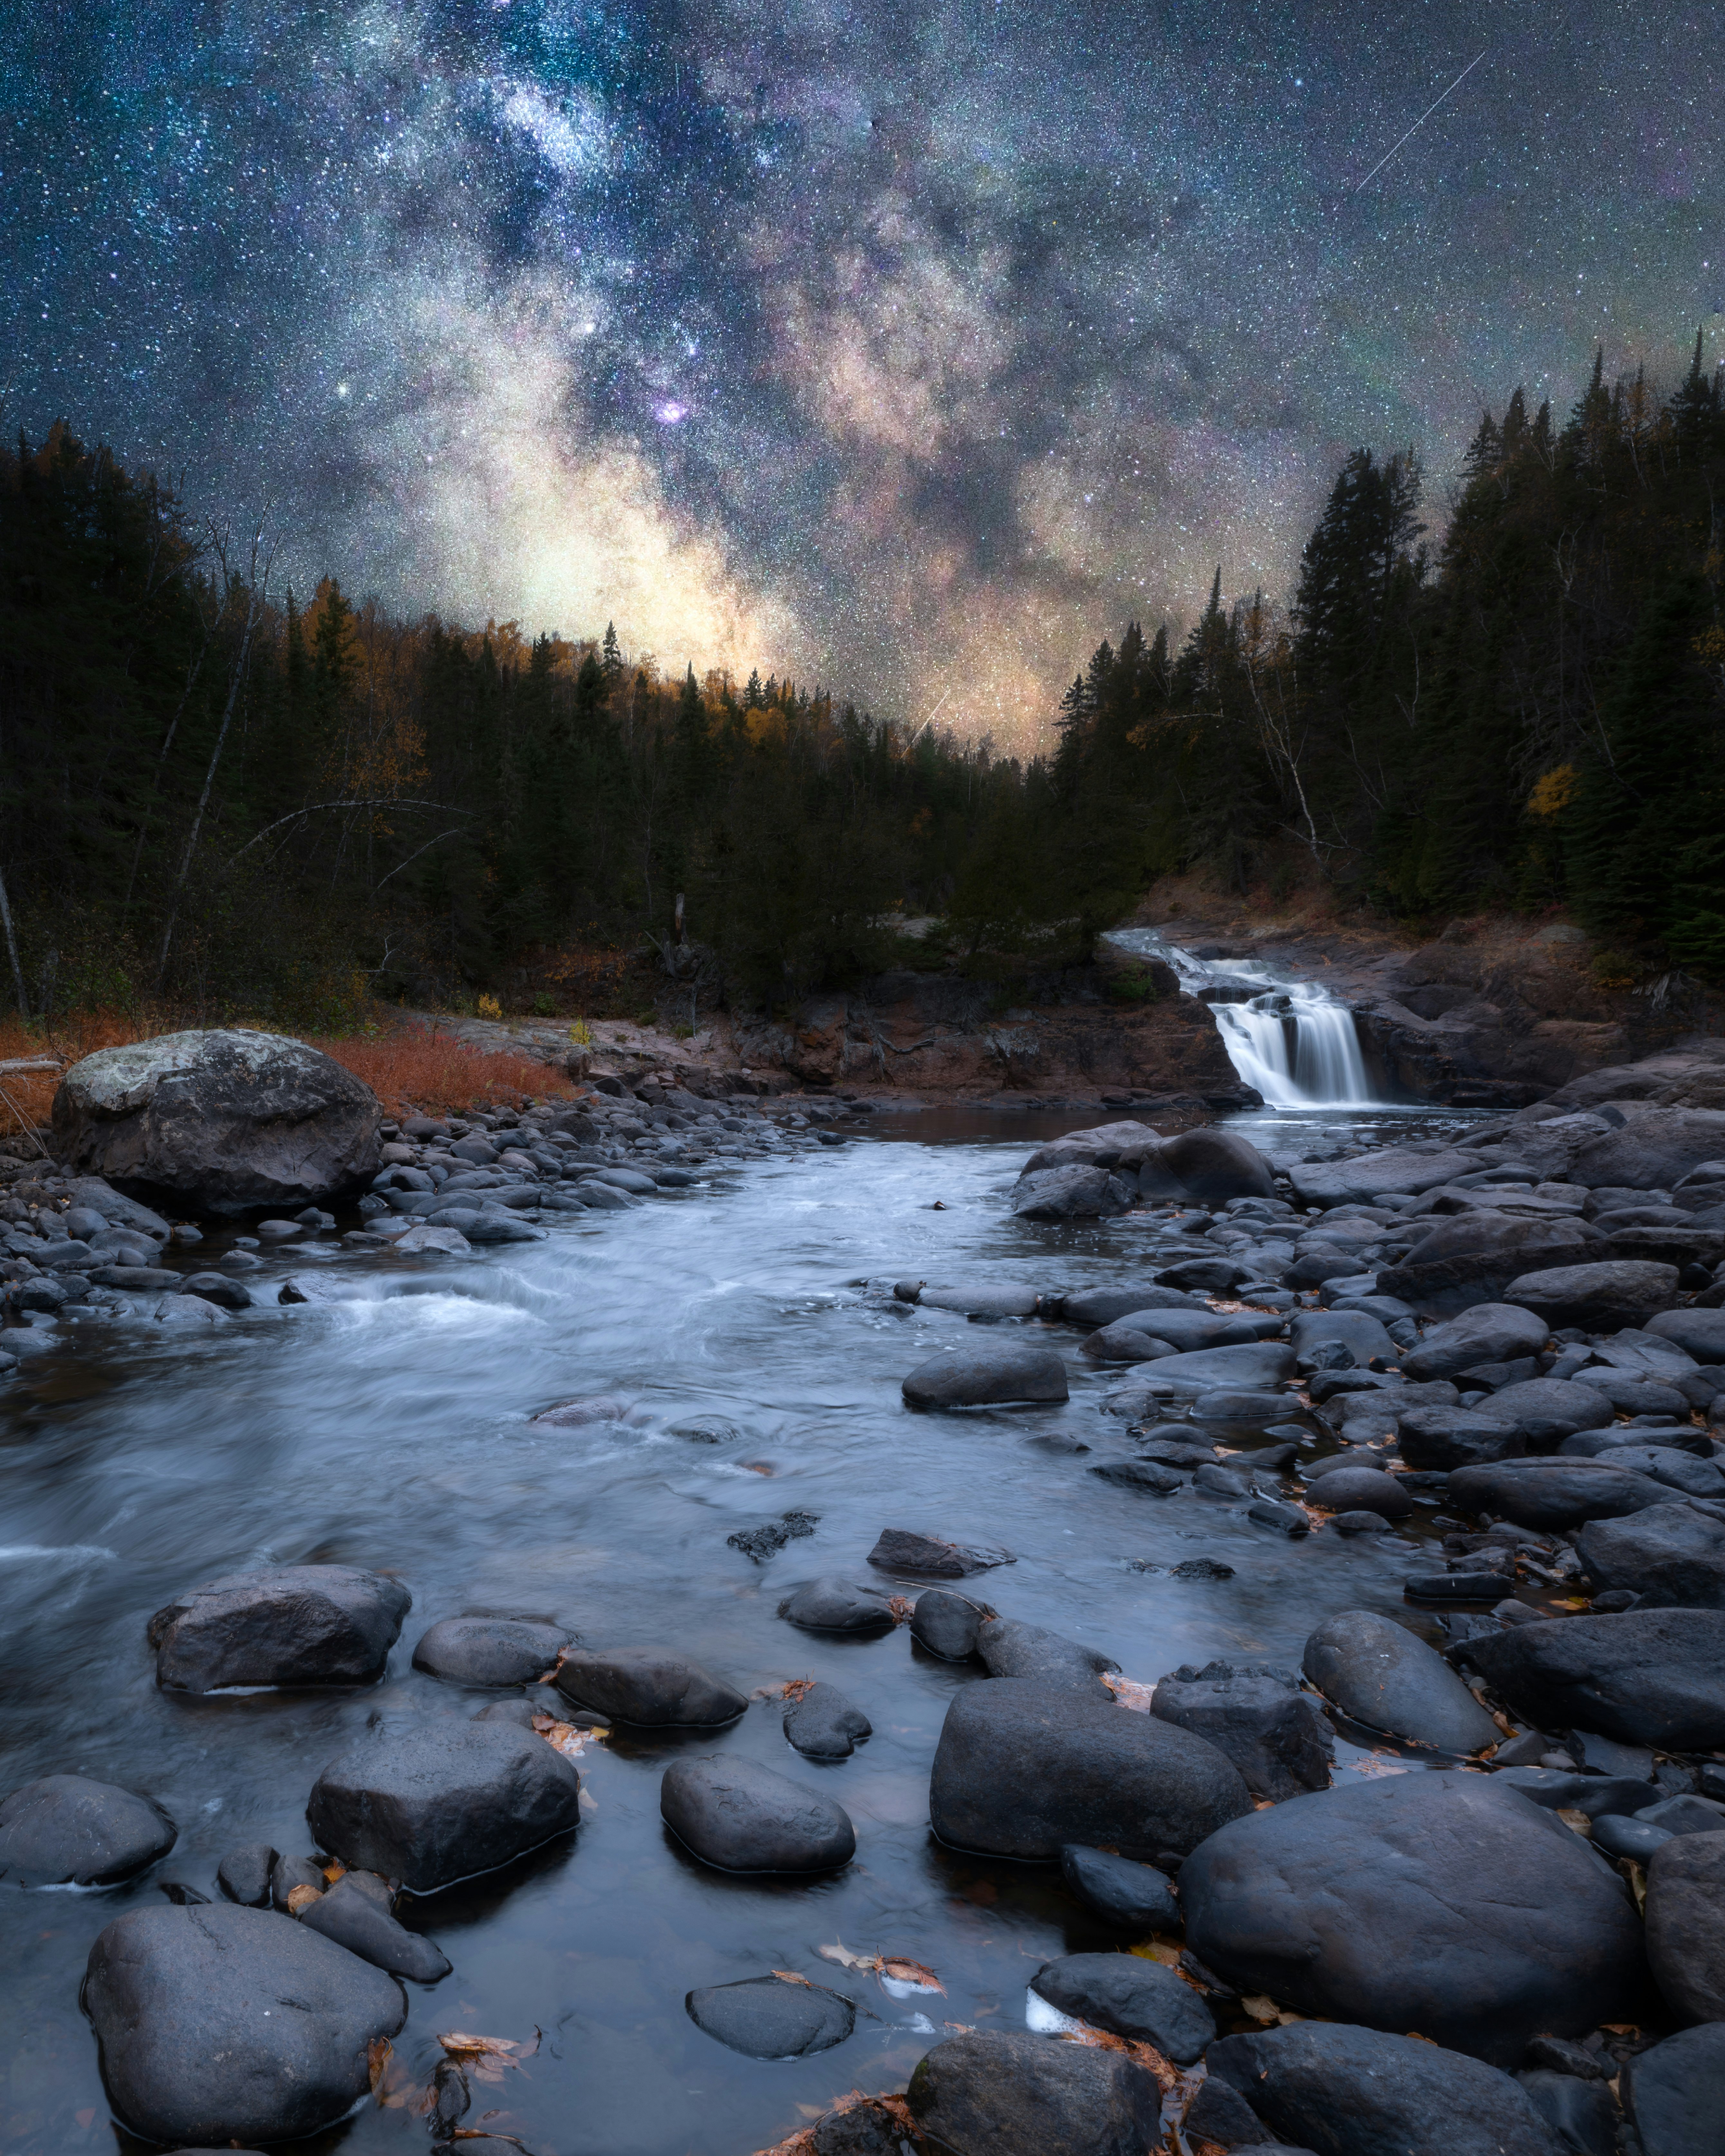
909 349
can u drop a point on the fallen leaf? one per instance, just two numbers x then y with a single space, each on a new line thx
1158 1950
797 1688
1167 2073
913 1972
1128 1691
565 1738
377 2056
790 1976
802 2143
756 1467
1375 1765
335 1870
1576 1822
487 2056
301 1897
844 1957
1260 2006
902 1608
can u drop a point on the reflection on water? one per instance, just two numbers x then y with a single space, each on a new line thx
392 1430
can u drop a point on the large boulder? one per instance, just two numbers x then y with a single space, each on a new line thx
654 1687
66 1830
1546 1410
1022 1769
1700 1333
1129 1996
1377 1672
1672 1555
440 1802
1010 2095
1600 1298
1466 1258
1436 1440
490 1652
1675 2093
1214 1165
221 1122
1362 2092
1644 1676
1074 1193
1488 1332
1553 1493
281 1624
993 1372
739 1816
1276 1735
1252 1366
1391 1169
1686 1923
1446 1903
220 2024
1653 1151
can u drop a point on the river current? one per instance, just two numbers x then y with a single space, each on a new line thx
392 1431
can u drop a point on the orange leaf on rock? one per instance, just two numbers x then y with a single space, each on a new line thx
790 1976
378 2054
1128 1691
301 1897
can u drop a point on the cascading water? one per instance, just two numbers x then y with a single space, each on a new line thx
1292 1040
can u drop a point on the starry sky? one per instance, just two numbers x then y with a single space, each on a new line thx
907 348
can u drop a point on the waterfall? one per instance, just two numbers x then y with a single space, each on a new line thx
1294 1041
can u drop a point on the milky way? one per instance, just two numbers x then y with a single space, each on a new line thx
908 349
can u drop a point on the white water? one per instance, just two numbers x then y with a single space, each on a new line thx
1296 1043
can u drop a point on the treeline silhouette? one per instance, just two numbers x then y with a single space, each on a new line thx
218 798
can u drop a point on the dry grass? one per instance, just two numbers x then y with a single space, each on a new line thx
413 1069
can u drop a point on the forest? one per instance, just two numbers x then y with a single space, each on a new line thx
223 797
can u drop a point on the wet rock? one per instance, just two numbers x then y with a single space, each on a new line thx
1102 1305
66 1829
1653 1151
353 1916
1675 2093
219 2024
1252 1366
709 1430
836 1605
1602 1298
1276 1735
219 1121
863 2129
1435 1439
946 1624
1581 2114
602 1407
1312 1331
1220 2115
441 1802
1125 1341
281 1624
1002 2095
1215 1275
978 1299
1129 1996
1148 1474
1135 1897
1553 1493
1667 1460
765 2017
1023 1769
1672 1555
902 1549
1285 1519
1443 1902
187 1312
1546 1410
1471 1258
1354 2091
1073 1193
1592 1794
217 1288
1359 1523
1377 1672
135 1279
1187 1331
288 1872
823 1724
738 1816
440 1237
489 1651
1645 1677
1489 1332
1216 1165
767 1540
1363 1490
995 1374
653 1686
1391 1170
244 1874
1009 1649
1637 1840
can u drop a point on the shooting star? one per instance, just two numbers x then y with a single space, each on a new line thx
1422 119
932 717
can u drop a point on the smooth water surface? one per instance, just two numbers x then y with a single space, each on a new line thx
393 1431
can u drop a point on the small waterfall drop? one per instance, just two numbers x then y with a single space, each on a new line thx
1293 1040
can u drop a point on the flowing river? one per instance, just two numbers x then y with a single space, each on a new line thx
393 1431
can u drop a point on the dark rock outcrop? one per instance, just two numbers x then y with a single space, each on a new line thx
281 1624
1644 1676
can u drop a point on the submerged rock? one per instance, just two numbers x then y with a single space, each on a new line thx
823 1724
738 1816
765 2017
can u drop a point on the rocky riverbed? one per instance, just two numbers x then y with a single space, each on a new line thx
1091 1638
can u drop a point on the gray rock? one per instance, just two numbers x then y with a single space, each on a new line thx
1700 1333
244 1874
992 1374
977 1299
1553 1493
1601 1297
1132 1997
1363 1490
1471 1258
1581 2114
352 1915
1672 1555
1435 1439
1546 1410
1216 1165
1009 1649
1023 1769
1377 1672
738 1816
1149 1475
1675 2093
1313 1331
1362 2092
1488 1332
443 1801
1000 2095
1446 1903
1276 1735
823 1724
1073 1193
836 1605
288 1872
1653 1151
946 1624
1647 1676
765 2017
220 1121
489 1651
652 1685
1251 1367
281 1624
196 2046
66 1829
1135 1897
1102 1305
1594 1794
902 1549
1686 1924
1390 1170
